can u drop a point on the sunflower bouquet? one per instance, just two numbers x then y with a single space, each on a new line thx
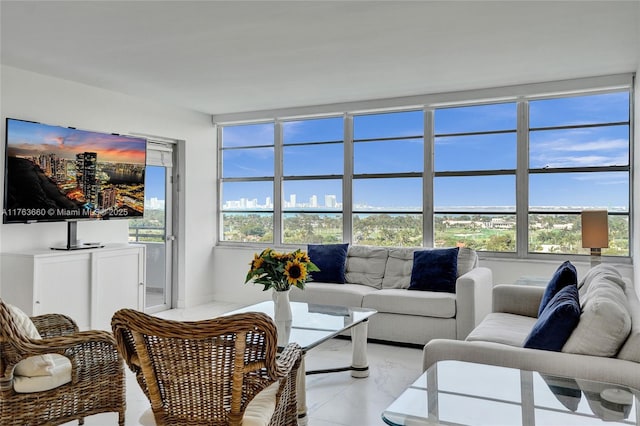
280 270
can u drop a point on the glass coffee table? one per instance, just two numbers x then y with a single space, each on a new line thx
461 393
313 324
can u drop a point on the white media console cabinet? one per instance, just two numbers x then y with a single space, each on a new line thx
88 285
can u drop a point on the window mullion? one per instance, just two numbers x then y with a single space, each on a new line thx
522 180
347 181
427 180
277 183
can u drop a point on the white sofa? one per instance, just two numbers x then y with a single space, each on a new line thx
378 278
604 347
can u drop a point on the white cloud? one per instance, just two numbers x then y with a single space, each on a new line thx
571 145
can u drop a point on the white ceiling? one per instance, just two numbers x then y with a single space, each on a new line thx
223 57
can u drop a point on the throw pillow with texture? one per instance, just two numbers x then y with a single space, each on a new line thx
565 275
604 324
557 321
331 259
435 270
39 365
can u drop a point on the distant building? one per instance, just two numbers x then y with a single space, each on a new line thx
86 170
108 198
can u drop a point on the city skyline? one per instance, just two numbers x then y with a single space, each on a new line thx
293 202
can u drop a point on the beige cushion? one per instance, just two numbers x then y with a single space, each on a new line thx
40 365
467 260
348 295
410 302
631 348
58 375
262 407
397 273
366 265
499 327
605 321
598 273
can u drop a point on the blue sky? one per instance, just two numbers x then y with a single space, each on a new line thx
154 178
548 148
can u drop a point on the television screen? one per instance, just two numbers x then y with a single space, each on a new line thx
57 173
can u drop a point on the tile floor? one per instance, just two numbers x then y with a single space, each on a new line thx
332 399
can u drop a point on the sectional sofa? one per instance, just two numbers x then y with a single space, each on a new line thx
603 347
379 278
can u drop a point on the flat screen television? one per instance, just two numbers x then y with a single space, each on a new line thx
55 173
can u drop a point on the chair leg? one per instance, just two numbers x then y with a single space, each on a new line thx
120 418
81 421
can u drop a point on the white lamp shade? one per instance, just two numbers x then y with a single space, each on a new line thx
595 229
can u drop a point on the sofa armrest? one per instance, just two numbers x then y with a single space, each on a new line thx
473 299
602 369
517 299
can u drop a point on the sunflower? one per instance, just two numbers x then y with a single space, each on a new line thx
256 263
295 272
302 256
279 270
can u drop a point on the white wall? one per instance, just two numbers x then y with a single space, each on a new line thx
30 96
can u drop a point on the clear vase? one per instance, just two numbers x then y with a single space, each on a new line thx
281 306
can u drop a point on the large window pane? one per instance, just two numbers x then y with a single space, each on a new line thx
388 125
396 156
576 110
317 130
247 227
561 233
249 162
304 228
323 194
247 135
476 152
583 147
476 231
479 118
403 230
247 195
392 194
475 193
577 191
555 233
316 159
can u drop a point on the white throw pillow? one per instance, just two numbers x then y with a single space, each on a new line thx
60 374
39 365
604 324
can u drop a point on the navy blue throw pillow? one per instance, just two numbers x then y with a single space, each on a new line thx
553 328
331 259
565 275
435 270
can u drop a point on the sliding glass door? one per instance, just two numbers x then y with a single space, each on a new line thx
155 229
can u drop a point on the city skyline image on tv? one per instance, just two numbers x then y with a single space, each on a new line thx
62 173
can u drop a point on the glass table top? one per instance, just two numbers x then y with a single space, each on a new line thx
461 393
311 324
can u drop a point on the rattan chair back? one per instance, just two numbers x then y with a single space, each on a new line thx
206 372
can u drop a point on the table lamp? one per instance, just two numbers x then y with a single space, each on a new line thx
595 233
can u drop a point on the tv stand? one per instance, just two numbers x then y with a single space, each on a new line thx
72 239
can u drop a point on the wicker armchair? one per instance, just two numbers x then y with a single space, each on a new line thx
97 372
208 372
